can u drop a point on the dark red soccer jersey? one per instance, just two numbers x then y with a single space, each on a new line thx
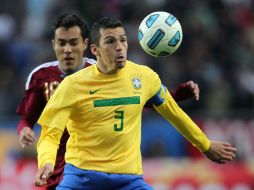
40 85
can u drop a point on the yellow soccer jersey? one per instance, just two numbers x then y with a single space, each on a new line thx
103 116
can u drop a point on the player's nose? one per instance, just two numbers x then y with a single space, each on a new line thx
67 48
119 46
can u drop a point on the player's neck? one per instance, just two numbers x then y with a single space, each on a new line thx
106 70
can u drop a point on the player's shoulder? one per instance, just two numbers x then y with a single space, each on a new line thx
44 67
86 72
89 61
39 70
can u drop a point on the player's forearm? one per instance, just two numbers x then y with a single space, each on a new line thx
30 109
182 122
48 145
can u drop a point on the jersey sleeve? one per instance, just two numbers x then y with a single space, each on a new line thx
50 137
59 107
31 105
168 108
154 83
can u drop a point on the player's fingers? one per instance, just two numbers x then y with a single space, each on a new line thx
31 136
22 143
28 132
230 153
227 158
191 84
46 174
27 143
22 140
196 91
40 183
38 179
28 138
226 144
227 155
231 149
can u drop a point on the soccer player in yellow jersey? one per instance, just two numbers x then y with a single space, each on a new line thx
102 108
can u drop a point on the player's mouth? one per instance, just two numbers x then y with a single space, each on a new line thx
120 58
68 59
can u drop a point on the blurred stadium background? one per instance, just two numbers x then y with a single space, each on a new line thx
217 52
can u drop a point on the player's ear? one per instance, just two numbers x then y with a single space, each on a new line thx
95 50
53 43
86 41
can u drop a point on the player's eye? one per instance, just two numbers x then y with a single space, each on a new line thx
123 39
61 43
110 41
74 43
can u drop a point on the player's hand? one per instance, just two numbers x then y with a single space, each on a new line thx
194 89
221 152
185 91
26 137
43 174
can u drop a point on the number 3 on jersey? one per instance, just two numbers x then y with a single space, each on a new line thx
119 115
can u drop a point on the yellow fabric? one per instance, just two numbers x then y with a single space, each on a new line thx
49 142
181 121
103 116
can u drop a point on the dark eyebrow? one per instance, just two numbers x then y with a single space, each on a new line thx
72 39
123 35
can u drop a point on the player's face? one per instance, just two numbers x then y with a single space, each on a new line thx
112 50
69 47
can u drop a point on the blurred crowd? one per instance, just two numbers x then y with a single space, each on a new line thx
217 50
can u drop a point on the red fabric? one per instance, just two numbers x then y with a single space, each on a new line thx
24 122
181 93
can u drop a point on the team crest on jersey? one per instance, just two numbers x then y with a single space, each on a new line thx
136 82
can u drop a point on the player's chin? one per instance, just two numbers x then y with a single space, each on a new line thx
68 67
69 63
120 64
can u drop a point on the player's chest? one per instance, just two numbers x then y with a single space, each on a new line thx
112 94
49 84
127 87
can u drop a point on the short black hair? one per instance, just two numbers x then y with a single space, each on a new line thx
68 20
103 23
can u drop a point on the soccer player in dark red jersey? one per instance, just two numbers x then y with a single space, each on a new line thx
70 40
